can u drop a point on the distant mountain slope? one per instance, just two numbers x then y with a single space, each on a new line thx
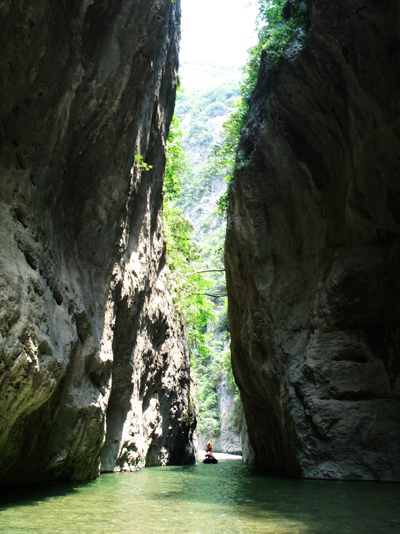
206 75
202 106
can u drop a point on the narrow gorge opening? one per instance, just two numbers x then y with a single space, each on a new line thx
201 153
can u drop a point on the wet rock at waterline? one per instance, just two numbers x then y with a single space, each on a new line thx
91 352
313 250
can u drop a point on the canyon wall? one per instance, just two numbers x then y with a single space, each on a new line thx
93 362
313 249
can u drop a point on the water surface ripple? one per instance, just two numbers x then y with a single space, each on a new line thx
229 497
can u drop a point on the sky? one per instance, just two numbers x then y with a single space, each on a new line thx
217 31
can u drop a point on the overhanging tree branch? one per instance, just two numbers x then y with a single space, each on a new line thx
206 271
205 294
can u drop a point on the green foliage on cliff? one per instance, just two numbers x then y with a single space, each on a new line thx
195 249
224 154
199 296
200 190
203 108
189 289
281 22
184 257
140 164
176 162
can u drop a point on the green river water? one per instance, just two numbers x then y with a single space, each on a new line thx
229 497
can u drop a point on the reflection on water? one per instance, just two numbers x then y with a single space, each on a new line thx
229 497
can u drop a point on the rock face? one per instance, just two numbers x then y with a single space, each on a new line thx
231 434
90 350
313 250
230 440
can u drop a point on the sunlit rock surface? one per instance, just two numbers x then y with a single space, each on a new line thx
90 350
231 432
231 419
313 250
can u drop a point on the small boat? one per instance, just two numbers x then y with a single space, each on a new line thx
211 460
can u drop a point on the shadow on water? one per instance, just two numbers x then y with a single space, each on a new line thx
227 497
31 496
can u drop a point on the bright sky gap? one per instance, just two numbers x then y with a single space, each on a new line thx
218 32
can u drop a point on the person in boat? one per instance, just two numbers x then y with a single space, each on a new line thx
209 453
210 458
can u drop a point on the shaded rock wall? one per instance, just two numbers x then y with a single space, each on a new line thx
90 350
313 250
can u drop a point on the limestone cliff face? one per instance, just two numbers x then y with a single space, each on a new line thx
90 351
231 434
313 250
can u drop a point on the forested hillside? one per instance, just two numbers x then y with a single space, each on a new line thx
211 116
195 232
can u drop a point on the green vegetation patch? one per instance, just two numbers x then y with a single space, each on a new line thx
195 169
280 23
